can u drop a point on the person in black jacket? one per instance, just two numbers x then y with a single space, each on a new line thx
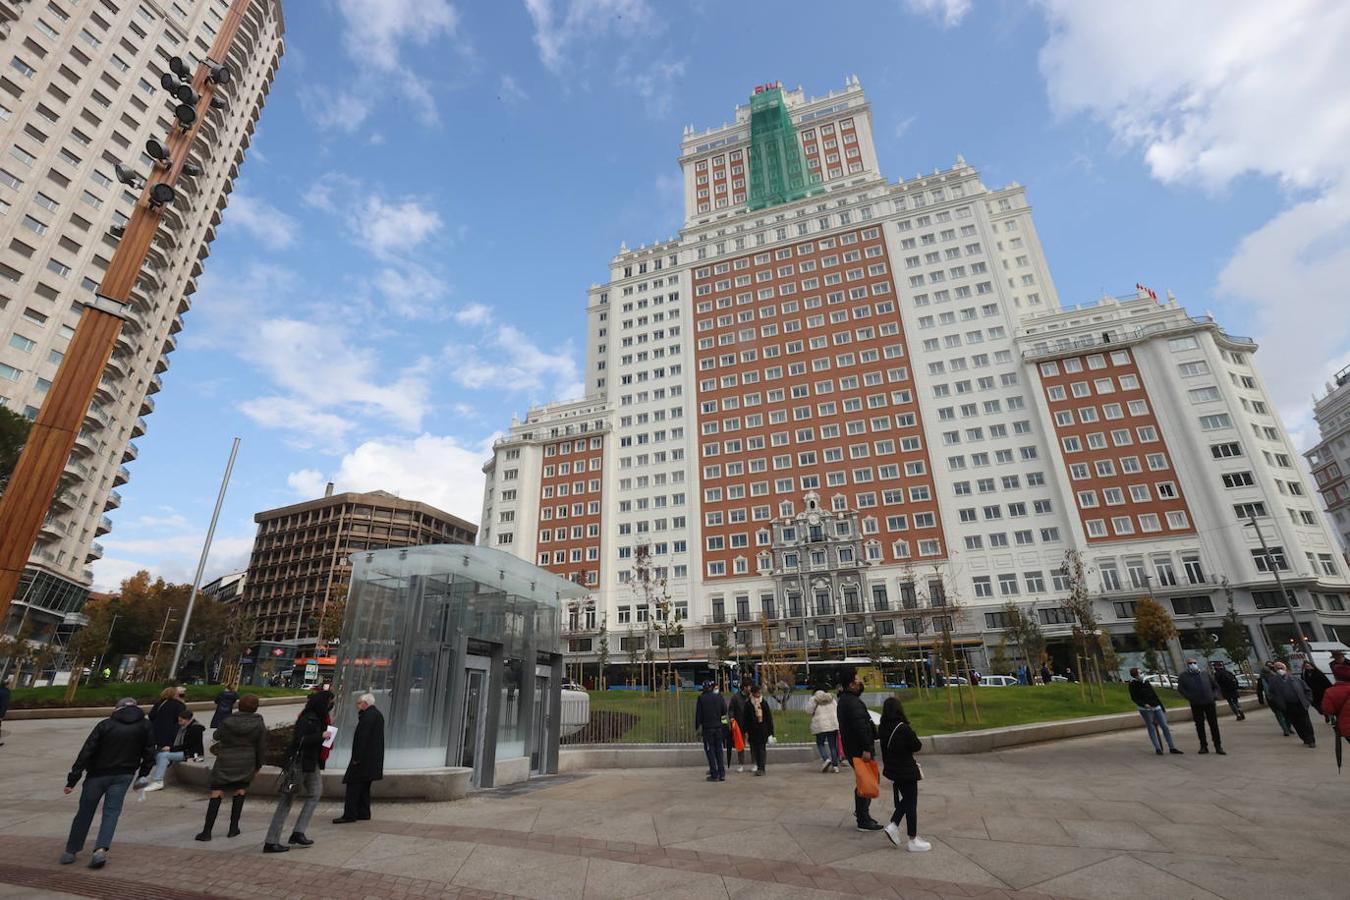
367 762
736 713
1152 712
899 743
758 727
1228 688
859 737
225 701
710 717
164 716
303 772
117 748
4 705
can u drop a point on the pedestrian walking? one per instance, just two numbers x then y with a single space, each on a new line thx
1295 697
899 743
1202 692
225 701
1151 710
367 761
1045 674
301 773
740 701
1228 687
1263 695
859 737
1317 682
710 718
759 727
825 726
4 707
240 748
118 747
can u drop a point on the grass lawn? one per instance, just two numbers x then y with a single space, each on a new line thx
109 694
631 717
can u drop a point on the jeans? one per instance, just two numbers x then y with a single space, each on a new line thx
311 783
906 805
1236 707
712 748
1202 713
162 760
356 801
828 739
112 790
1155 719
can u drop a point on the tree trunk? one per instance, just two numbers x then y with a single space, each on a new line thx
75 674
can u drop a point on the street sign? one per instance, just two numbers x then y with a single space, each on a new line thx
311 671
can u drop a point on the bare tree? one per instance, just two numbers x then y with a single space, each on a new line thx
1086 626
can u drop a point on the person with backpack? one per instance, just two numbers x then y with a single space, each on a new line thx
899 743
825 727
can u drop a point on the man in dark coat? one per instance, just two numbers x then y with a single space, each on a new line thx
367 763
736 713
710 718
1294 695
1202 692
859 737
1228 686
117 748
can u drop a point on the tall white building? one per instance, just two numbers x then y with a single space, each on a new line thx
835 406
80 92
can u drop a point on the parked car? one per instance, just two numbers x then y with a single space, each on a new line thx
573 686
998 681
1245 681
1161 680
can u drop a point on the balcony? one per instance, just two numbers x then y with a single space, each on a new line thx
95 552
155 386
52 528
86 443
114 500
104 526
138 428
170 344
121 476
130 453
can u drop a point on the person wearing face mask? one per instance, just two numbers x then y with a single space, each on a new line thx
1152 712
1264 687
1202 692
1293 694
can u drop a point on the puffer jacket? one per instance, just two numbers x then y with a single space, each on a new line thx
241 742
121 744
1336 702
824 713
899 743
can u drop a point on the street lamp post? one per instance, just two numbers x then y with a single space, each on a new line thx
1284 596
52 436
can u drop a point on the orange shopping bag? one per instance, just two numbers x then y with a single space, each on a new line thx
737 739
866 776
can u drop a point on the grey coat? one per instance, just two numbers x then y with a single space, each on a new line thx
241 743
1288 691
1199 688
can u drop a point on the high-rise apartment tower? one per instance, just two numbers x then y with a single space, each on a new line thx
843 410
80 92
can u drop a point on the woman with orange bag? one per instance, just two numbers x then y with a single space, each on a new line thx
740 701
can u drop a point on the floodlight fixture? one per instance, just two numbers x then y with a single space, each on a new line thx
185 94
168 81
157 151
219 75
161 195
185 114
179 68
127 176
219 103
191 170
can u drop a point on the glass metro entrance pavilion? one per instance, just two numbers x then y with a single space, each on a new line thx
460 646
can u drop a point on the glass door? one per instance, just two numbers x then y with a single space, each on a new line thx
474 717
542 722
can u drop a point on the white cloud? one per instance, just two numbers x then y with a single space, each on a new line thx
949 12
173 557
318 428
308 483
510 92
388 227
1209 91
269 226
411 290
506 358
903 126
336 109
435 469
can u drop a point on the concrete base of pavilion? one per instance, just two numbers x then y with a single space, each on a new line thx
449 783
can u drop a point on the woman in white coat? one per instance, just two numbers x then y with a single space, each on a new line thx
825 726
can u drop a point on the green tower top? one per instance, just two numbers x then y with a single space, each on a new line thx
778 172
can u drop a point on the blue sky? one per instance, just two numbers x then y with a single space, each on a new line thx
434 185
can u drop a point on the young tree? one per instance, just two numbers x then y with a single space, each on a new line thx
1234 638
875 648
998 660
1086 626
602 650
87 644
651 589
634 653
1155 628
1205 642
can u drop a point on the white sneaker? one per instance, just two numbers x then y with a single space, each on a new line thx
740 768
834 769
154 786
893 832
919 845
826 766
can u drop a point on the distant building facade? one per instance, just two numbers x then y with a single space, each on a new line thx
227 588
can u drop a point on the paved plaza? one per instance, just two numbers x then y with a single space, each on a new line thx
1095 817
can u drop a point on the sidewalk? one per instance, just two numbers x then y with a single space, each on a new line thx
1093 817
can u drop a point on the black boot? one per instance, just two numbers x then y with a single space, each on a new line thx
236 807
212 808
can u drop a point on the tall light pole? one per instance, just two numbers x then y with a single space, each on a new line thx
1284 597
24 504
201 563
107 642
